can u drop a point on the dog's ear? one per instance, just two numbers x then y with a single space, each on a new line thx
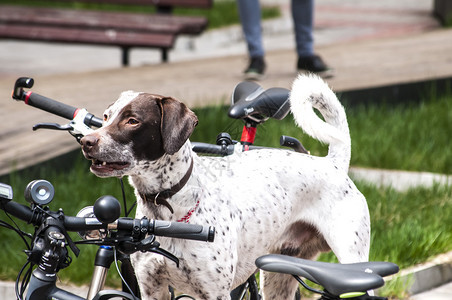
177 124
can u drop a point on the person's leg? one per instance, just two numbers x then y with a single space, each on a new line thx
303 16
303 19
250 18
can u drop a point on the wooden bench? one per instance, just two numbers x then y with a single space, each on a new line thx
123 29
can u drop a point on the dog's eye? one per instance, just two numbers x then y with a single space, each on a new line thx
132 121
105 117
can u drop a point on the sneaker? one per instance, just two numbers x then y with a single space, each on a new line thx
256 68
314 64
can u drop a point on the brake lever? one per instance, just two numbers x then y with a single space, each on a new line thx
146 245
154 247
75 129
53 126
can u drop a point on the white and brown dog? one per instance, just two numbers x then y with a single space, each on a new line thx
260 202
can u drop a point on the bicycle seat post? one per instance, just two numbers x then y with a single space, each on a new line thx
255 105
248 135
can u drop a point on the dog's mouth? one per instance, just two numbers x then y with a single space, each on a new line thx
99 166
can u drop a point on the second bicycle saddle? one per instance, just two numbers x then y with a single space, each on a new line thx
337 279
251 101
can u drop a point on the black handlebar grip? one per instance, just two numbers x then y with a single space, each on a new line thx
206 148
19 211
50 105
288 141
183 231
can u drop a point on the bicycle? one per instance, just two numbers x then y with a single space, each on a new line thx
250 103
99 225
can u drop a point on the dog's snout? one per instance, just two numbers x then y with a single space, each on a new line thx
88 142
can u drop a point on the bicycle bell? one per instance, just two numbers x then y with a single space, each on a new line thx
107 209
88 213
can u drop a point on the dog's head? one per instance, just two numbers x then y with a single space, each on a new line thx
138 128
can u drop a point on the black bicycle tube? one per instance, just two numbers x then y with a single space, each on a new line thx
38 290
82 224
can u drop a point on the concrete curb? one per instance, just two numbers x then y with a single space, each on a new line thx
399 180
424 277
429 275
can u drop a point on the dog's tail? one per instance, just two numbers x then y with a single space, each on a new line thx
308 92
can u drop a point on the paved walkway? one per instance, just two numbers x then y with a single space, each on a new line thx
336 22
443 292
369 43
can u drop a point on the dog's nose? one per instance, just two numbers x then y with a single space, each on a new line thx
88 142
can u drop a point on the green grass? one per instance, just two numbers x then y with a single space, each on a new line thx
223 13
413 137
419 220
407 228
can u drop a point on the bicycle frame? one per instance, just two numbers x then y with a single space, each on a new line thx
43 288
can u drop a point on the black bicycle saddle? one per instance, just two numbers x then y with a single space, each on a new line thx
337 279
250 100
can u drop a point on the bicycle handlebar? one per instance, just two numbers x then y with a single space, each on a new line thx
206 148
49 105
19 211
155 227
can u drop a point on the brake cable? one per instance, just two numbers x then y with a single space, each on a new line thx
126 212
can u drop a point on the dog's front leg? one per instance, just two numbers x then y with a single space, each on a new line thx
153 289
152 275
160 294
